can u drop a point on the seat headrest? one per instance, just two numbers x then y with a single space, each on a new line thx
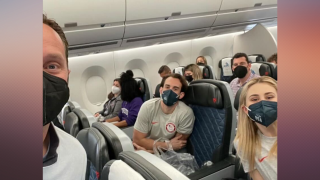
179 70
226 67
86 118
95 146
71 124
157 93
206 71
257 58
263 68
73 105
204 94
237 99
117 140
141 86
276 73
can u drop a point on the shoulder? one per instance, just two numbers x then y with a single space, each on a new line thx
234 81
137 100
151 103
184 108
69 144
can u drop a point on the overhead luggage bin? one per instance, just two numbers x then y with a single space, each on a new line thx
241 4
165 16
245 16
88 22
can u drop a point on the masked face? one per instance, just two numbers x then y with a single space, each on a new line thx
55 96
200 64
115 90
189 78
169 97
263 112
240 71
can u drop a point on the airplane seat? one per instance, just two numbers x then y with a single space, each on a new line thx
214 128
144 88
114 168
207 72
96 149
86 118
73 105
263 68
179 70
276 73
226 70
147 165
117 140
156 92
256 58
72 124
237 99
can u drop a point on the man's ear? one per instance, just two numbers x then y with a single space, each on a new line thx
181 95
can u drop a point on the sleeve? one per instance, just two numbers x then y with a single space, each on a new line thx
143 119
120 112
116 110
186 122
133 111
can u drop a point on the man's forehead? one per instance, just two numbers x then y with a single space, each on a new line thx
173 82
240 59
52 41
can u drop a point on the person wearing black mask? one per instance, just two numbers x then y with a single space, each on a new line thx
201 61
60 150
165 117
192 72
241 68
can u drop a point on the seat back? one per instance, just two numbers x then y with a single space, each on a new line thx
276 73
226 70
156 92
263 69
207 72
86 118
179 70
215 117
148 166
73 105
237 99
96 148
256 58
72 124
116 139
144 88
114 170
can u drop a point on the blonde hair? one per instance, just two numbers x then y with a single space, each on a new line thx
204 59
247 131
197 74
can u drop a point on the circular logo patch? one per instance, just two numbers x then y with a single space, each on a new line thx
170 127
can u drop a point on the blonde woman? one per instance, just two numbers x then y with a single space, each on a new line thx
256 140
192 72
201 60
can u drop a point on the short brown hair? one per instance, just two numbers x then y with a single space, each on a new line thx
164 68
55 26
274 58
177 76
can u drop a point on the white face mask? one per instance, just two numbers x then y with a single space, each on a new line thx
115 90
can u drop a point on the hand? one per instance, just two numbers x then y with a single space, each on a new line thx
137 147
177 143
96 114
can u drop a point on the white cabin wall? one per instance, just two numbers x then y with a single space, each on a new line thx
274 32
88 73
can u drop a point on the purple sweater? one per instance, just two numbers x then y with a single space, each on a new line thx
129 110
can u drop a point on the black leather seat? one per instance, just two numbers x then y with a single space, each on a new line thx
214 128
237 99
263 68
156 92
77 120
276 73
207 72
96 148
73 105
144 88
147 165
256 58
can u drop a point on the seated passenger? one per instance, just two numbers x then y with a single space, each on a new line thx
164 71
241 68
192 72
132 101
256 140
273 59
201 60
60 151
113 106
165 117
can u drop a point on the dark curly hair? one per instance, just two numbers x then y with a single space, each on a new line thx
129 86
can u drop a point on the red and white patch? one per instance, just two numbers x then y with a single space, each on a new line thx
170 127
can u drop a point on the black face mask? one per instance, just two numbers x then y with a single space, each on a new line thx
189 78
200 64
240 71
55 96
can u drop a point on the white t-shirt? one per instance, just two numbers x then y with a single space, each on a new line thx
154 122
71 162
267 167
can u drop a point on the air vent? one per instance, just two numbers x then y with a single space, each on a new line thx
165 36
92 45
